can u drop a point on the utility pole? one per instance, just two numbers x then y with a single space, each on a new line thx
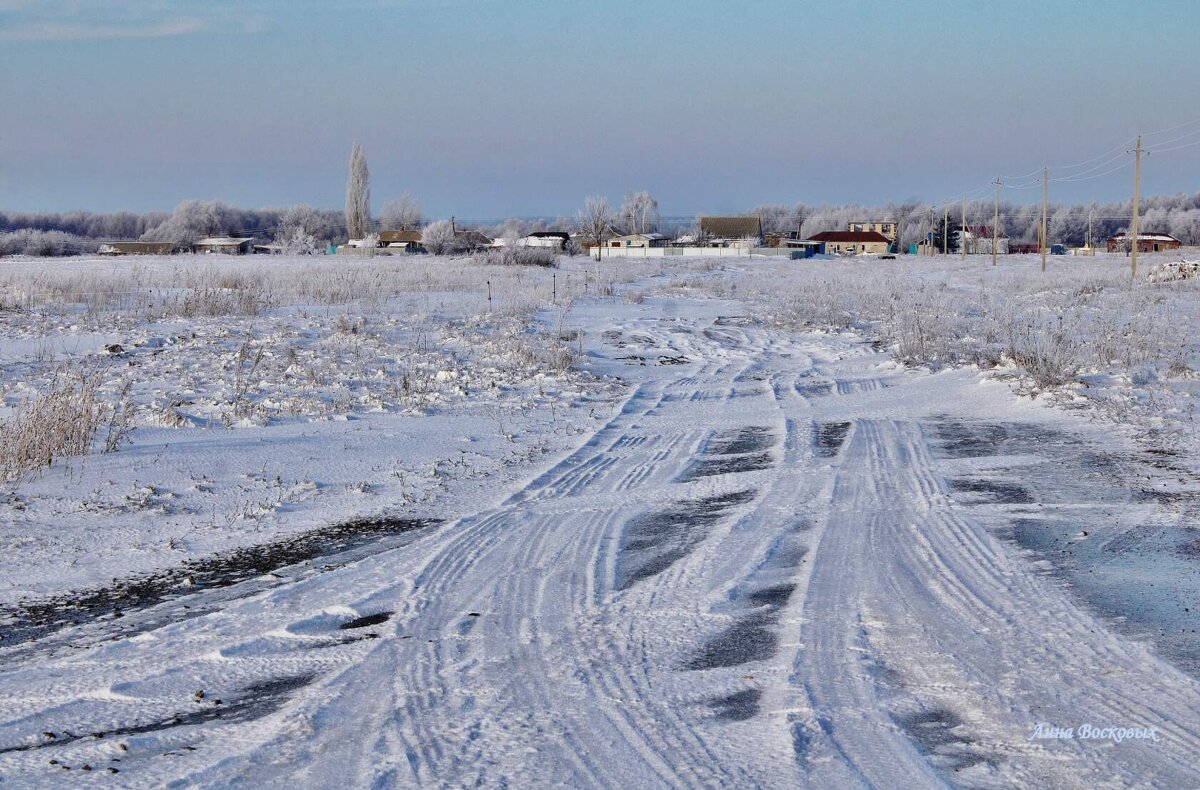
1089 240
962 234
1045 209
996 222
1137 192
946 229
932 230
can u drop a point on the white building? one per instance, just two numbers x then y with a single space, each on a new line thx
978 240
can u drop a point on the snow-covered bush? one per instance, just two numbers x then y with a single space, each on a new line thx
516 255
1048 355
1174 270
299 242
44 243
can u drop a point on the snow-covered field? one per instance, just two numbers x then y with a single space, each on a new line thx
683 523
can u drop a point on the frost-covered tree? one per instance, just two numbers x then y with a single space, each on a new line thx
439 238
780 218
300 218
195 219
595 222
403 213
639 213
358 194
298 229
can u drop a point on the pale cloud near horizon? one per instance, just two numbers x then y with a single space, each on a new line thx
72 20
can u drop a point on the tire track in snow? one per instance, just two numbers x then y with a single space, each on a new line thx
905 587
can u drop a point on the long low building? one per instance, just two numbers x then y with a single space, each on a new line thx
137 248
1147 242
853 242
224 245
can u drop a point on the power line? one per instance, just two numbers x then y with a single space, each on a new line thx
1074 179
1192 122
1176 148
1191 134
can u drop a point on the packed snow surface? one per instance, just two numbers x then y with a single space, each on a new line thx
647 527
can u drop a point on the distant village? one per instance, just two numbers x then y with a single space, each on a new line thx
713 236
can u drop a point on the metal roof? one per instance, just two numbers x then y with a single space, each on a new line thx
856 236
732 227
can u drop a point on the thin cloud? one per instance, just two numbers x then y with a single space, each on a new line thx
70 20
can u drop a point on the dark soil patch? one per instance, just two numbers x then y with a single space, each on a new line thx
828 438
937 733
31 620
366 621
725 465
740 706
994 491
750 639
653 542
777 596
752 439
254 702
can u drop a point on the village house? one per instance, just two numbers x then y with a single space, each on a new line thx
550 239
780 238
403 240
731 231
472 240
137 248
224 245
853 242
1146 242
885 228
639 240
978 240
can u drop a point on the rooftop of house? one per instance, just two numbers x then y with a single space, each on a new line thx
648 236
224 241
851 237
1148 237
732 227
399 236
979 231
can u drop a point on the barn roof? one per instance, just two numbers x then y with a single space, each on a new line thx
732 227
855 236
137 248
400 236
224 241
1149 237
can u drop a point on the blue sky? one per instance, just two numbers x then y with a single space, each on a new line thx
493 108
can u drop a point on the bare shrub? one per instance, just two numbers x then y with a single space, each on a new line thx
60 423
1049 356
120 419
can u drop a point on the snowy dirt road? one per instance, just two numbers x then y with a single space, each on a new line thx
757 572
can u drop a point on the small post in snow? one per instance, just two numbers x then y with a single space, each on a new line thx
489 284
553 287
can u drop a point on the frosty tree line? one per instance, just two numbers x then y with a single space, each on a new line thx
302 228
